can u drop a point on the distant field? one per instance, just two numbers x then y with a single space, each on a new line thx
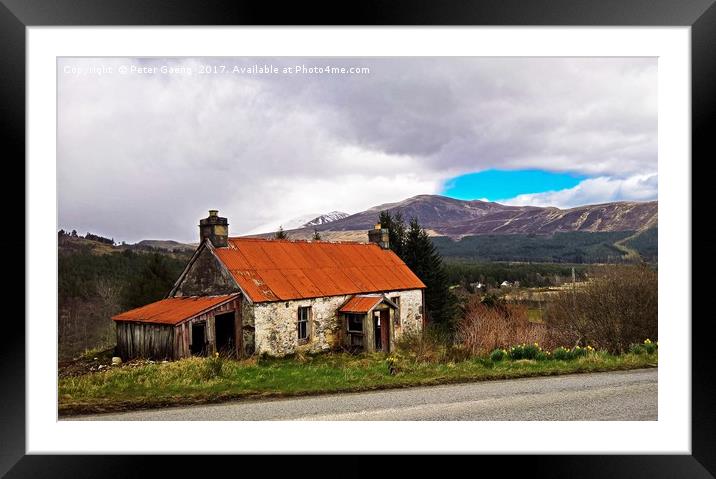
529 275
569 247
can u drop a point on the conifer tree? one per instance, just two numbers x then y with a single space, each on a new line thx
281 234
396 230
416 249
316 235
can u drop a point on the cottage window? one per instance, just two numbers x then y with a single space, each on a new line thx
355 323
355 329
304 314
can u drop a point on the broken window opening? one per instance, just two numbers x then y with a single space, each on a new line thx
304 314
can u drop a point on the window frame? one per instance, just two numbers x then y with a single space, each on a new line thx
348 323
307 321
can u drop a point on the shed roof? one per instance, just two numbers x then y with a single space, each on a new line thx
360 304
174 310
279 270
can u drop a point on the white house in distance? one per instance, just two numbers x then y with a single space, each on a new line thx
249 295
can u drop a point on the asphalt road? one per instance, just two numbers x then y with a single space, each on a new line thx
613 396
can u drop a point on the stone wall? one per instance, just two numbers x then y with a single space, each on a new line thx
206 277
248 327
276 324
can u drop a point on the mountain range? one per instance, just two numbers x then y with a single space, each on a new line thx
487 231
453 218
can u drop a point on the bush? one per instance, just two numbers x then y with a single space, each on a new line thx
432 345
616 308
213 366
650 347
578 352
456 353
524 351
486 326
562 354
637 349
498 355
566 354
543 356
647 347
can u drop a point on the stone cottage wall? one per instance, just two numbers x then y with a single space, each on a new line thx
206 277
248 324
276 324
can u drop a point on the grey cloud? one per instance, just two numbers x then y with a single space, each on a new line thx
146 155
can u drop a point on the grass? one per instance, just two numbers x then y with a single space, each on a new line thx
187 382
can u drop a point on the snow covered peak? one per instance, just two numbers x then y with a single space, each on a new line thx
326 218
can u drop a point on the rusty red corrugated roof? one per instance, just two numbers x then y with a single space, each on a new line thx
360 304
174 310
281 270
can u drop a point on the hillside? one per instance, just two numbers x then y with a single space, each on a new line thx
97 280
565 247
443 216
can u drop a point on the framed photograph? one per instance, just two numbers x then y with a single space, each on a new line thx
408 224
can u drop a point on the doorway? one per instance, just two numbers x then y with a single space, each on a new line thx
381 330
225 334
198 339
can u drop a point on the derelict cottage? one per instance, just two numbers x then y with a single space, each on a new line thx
246 295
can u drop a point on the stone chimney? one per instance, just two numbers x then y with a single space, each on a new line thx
379 235
215 228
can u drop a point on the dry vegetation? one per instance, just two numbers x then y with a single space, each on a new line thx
486 327
616 308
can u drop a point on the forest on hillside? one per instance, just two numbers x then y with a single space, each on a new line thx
568 247
93 287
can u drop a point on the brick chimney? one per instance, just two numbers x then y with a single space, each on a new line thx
215 228
379 235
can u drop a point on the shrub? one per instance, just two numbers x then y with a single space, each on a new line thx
616 308
486 326
392 363
650 347
578 352
457 353
637 348
213 366
498 355
647 347
562 354
543 356
430 346
524 351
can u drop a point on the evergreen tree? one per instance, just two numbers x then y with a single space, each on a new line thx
281 234
423 259
316 235
416 249
396 230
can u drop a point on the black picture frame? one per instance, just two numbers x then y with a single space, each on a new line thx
16 15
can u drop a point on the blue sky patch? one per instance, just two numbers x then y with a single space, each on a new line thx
504 184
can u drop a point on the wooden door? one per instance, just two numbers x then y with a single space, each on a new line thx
385 329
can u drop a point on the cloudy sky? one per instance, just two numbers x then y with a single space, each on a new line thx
146 146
